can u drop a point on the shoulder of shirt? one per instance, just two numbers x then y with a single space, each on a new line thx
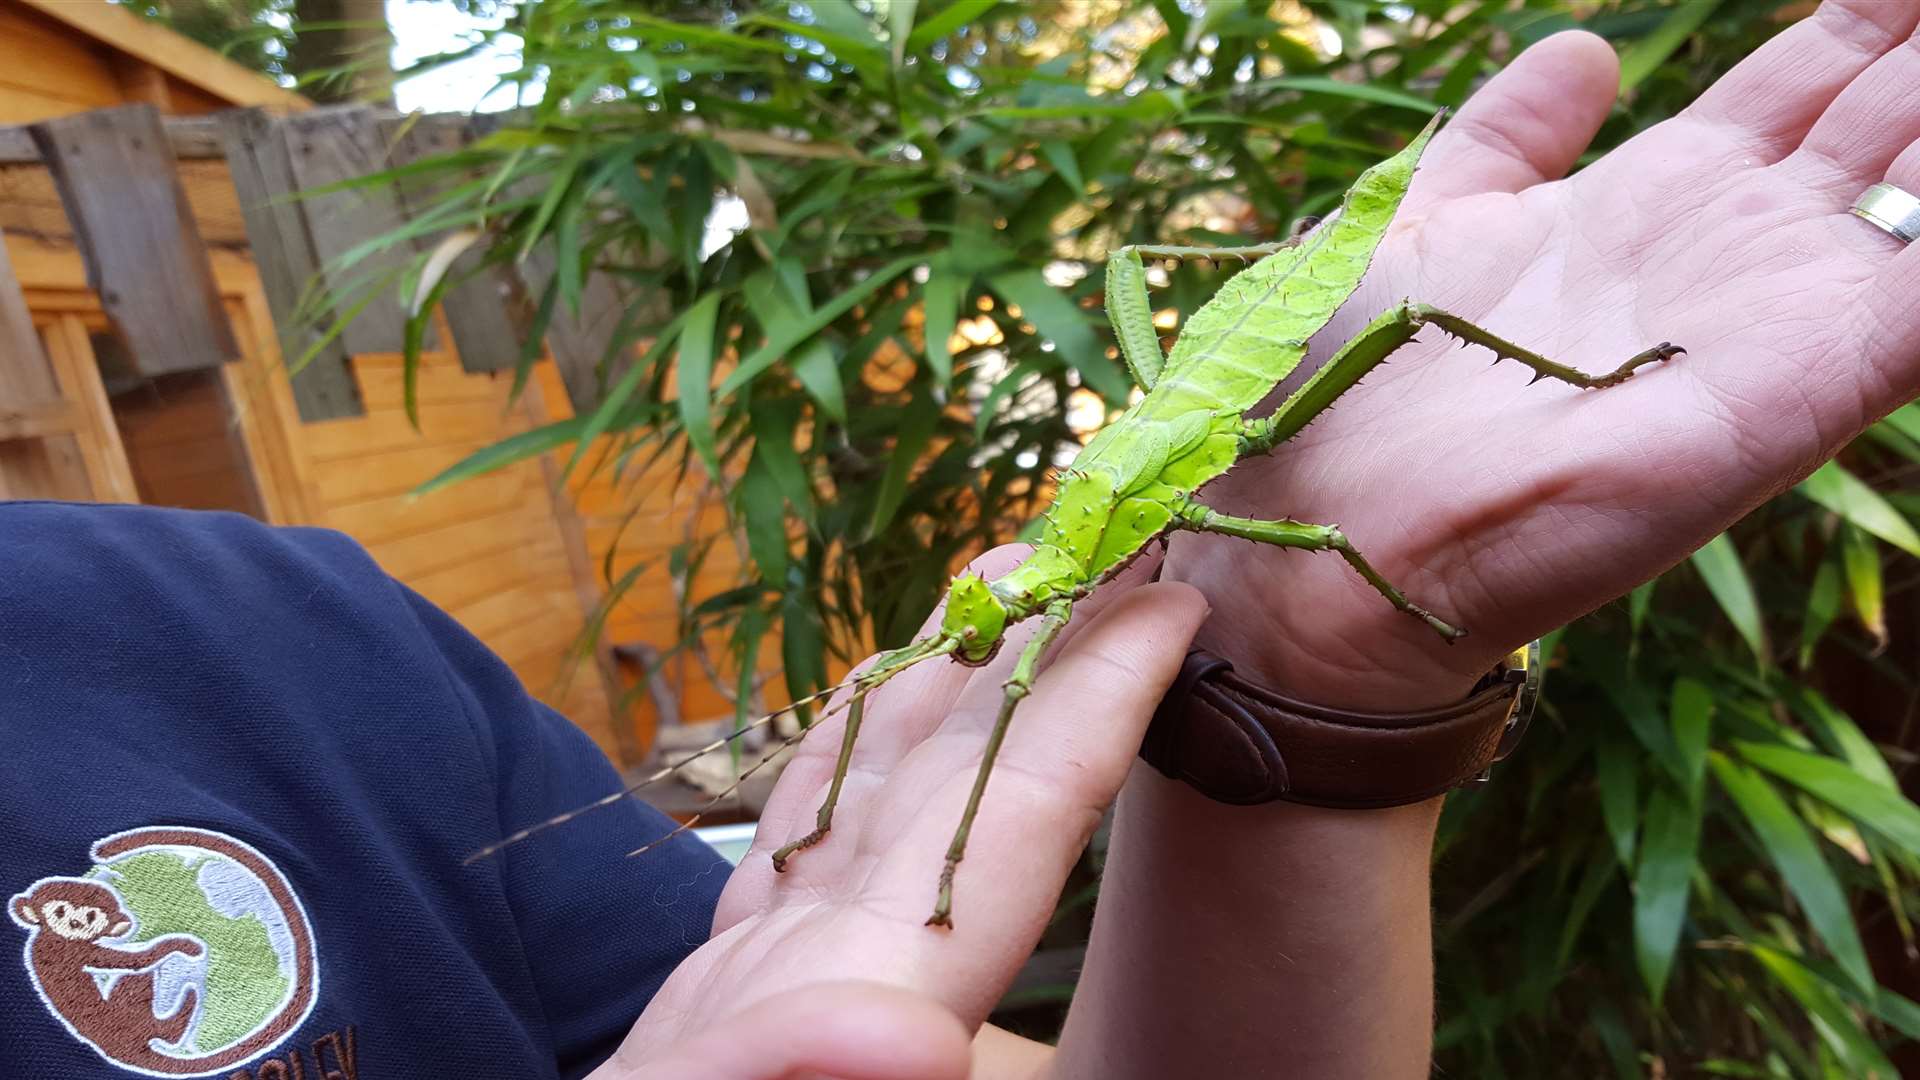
72 561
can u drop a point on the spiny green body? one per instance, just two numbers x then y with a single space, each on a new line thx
1128 486
1137 480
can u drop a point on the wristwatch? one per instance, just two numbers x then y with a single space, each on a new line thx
1239 742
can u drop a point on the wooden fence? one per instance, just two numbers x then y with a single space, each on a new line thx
117 172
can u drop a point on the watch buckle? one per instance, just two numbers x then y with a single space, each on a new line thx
1523 667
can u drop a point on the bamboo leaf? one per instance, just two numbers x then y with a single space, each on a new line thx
1061 321
1377 95
1865 589
900 26
1795 854
1833 487
1719 566
1886 812
450 247
946 21
916 429
803 648
695 379
819 374
1639 602
1905 420
942 296
1650 52
781 340
1836 1025
602 417
1842 736
1823 605
508 451
764 510
775 423
1059 154
1619 796
1690 713
1668 856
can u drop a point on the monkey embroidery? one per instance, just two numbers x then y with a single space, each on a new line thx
69 921
250 962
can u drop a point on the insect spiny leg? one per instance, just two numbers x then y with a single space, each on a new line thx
651 778
733 789
823 821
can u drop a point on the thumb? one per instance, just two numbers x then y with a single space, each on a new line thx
1528 125
844 1030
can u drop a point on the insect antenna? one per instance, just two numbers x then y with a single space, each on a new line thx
659 775
723 796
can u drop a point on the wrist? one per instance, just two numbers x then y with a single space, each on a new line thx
1327 637
1359 662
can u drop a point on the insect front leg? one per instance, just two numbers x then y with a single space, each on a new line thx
823 820
886 667
1306 537
1018 685
1396 327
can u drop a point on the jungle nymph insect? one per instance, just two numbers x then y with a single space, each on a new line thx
1137 480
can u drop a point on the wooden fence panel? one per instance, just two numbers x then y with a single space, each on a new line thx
39 456
329 146
284 253
144 256
481 308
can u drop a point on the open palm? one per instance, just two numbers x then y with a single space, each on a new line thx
854 907
1511 508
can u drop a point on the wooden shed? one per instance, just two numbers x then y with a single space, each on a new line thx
95 405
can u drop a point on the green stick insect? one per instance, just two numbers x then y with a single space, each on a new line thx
1136 481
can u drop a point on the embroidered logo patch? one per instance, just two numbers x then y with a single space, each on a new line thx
182 952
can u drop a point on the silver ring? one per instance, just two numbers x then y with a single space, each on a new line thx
1890 208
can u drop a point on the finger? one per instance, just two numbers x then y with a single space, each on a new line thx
904 712
1068 751
1894 311
847 1030
1870 122
1528 125
1099 695
1774 96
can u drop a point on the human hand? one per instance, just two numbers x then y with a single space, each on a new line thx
853 907
1511 509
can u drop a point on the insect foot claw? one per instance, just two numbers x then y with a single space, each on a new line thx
781 856
943 906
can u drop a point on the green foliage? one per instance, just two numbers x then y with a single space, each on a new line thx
880 366
252 33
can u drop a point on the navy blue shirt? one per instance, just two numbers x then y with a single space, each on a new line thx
240 768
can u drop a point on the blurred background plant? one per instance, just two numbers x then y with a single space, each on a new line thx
859 245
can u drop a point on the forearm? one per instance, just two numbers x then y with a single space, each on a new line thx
1273 940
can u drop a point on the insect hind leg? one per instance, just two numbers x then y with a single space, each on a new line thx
1307 537
1393 329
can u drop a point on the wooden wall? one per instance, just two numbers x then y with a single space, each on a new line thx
637 520
490 551
514 564
46 70
182 444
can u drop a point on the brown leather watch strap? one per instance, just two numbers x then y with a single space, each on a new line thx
1238 742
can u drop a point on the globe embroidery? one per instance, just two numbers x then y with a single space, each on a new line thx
180 952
